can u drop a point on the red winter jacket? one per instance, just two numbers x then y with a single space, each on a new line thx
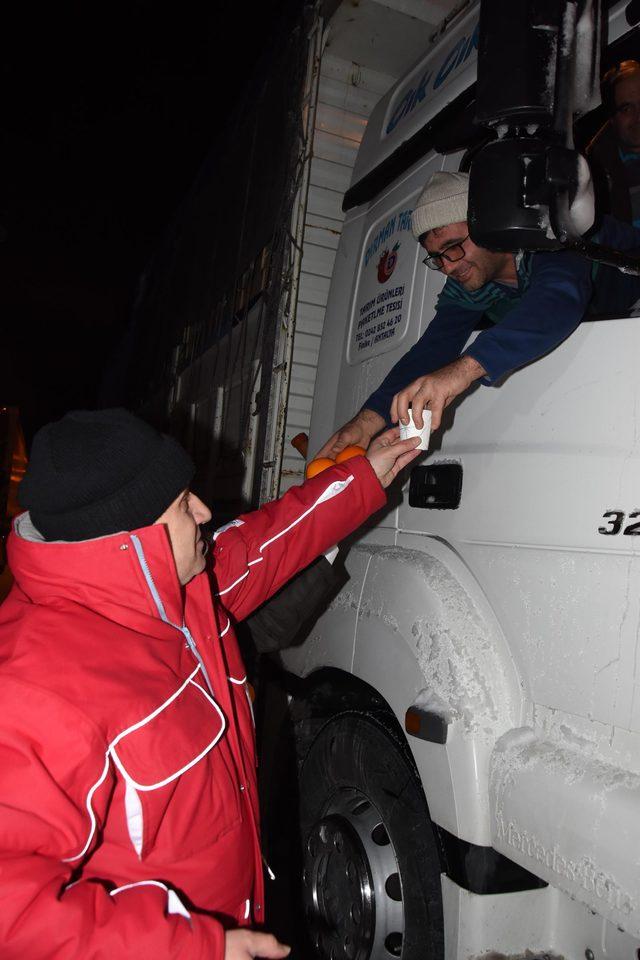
128 808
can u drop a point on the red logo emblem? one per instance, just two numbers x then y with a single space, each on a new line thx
387 264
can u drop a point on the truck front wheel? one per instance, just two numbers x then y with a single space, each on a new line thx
371 873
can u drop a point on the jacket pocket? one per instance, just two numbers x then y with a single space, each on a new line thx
169 741
178 769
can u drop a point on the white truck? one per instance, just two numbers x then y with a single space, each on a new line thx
468 707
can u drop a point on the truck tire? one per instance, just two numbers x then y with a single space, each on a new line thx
371 873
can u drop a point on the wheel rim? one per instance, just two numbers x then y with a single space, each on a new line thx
352 885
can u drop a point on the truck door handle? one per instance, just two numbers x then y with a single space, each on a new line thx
436 487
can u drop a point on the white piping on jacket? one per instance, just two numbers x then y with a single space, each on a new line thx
247 909
235 583
154 713
239 580
128 779
333 490
174 903
225 629
92 816
243 683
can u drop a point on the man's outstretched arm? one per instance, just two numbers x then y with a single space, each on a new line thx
259 552
440 344
550 310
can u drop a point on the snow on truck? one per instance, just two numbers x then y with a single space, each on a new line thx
467 709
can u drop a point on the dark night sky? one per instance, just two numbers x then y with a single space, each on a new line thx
111 110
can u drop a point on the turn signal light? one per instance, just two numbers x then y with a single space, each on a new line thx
426 725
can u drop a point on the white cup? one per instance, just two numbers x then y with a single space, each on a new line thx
412 431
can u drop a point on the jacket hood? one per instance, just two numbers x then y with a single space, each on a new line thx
133 569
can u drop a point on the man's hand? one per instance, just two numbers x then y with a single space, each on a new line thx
388 454
357 431
246 944
435 390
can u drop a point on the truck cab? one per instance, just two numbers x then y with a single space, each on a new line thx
468 707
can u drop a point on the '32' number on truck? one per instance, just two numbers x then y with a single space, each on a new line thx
615 520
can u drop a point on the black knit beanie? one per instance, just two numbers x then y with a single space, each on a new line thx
96 472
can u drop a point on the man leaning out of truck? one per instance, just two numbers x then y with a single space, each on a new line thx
533 301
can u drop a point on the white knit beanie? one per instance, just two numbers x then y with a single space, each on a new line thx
443 201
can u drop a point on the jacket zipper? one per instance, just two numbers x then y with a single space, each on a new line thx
194 650
191 644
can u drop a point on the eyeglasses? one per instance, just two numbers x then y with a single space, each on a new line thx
452 254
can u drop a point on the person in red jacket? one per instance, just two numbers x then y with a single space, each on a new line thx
128 808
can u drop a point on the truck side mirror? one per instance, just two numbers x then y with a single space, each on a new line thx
526 194
538 68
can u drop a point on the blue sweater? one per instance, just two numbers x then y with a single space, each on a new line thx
554 292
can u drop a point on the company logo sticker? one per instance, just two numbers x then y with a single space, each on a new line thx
387 264
382 310
433 79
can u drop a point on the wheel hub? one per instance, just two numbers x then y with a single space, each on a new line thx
353 894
